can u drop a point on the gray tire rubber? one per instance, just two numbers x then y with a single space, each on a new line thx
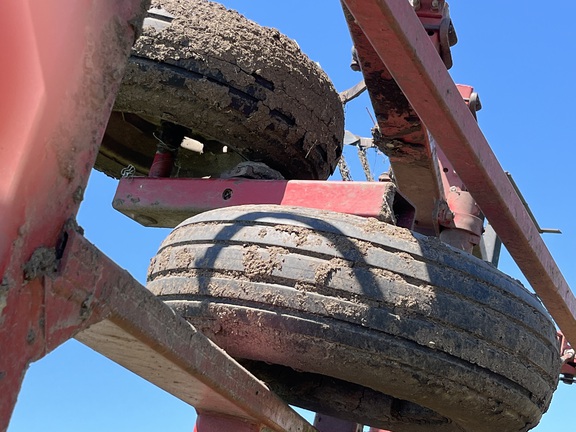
366 303
231 83
348 401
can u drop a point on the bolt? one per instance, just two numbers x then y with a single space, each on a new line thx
568 355
145 220
227 194
415 4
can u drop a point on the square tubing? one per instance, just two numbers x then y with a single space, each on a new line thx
166 202
397 36
63 67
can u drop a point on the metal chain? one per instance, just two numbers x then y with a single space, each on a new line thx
365 164
128 171
344 170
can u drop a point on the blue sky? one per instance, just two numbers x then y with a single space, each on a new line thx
521 61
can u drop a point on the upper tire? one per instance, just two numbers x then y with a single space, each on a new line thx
366 303
229 82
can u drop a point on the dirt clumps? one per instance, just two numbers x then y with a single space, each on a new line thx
326 271
231 81
260 262
373 225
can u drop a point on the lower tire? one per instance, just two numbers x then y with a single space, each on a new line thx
366 303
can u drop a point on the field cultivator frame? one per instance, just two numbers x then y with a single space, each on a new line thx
55 285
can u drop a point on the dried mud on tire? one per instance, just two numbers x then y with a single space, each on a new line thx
229 81
366 303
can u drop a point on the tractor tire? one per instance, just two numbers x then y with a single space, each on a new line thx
366 303
231 83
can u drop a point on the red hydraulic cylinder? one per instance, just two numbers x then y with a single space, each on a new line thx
162 164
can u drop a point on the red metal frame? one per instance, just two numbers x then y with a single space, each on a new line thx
208 422
397 36
91 298
412 156
166 202
55 285
58 85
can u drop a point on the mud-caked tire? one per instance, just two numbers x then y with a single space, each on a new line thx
230 82
366 303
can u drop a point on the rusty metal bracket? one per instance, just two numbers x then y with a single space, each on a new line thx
568 358
435 17
400 134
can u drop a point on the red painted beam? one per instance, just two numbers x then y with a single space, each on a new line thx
91 298
398 37
61 69
166 202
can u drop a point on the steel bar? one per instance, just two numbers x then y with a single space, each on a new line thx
62 68
401 135
167 202
119 318
397 36
208 422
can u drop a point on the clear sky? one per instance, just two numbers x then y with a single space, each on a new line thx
519 57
